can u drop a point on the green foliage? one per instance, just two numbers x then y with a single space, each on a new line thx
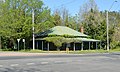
16 22
57 19
93 21
115 38
58 41
16 19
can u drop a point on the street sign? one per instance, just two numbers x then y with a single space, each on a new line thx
23 40
18 40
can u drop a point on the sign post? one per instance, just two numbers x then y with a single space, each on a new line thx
24 43
18 43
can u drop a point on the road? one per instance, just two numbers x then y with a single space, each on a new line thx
61 63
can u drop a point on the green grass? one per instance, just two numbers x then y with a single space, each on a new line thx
115 50
88 51
70 52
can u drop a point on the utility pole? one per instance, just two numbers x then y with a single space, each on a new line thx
107 31
33 29
107 22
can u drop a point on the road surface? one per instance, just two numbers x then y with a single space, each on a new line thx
61 63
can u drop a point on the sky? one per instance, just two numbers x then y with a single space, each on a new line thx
73 6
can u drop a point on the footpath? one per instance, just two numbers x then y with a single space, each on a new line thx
26 54
3 54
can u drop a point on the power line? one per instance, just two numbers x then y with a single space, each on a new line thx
117 6
112 5
67 3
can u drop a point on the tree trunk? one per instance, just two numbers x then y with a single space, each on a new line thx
58 49
0 43
12 43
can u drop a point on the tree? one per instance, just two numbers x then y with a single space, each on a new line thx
93 21
16 20
90 18
58 41
115 41
57 18
62 18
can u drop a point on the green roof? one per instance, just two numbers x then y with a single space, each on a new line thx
61 30
76 39
84 39
87 40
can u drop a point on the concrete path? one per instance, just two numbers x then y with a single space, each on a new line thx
27 54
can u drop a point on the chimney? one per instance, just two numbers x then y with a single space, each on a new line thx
81 29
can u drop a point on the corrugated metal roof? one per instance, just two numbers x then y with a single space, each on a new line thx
88 40
76 39
61 30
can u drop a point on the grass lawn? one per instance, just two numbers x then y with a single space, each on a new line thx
74 52
70 52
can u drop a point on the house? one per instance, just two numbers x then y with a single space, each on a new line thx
78 40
